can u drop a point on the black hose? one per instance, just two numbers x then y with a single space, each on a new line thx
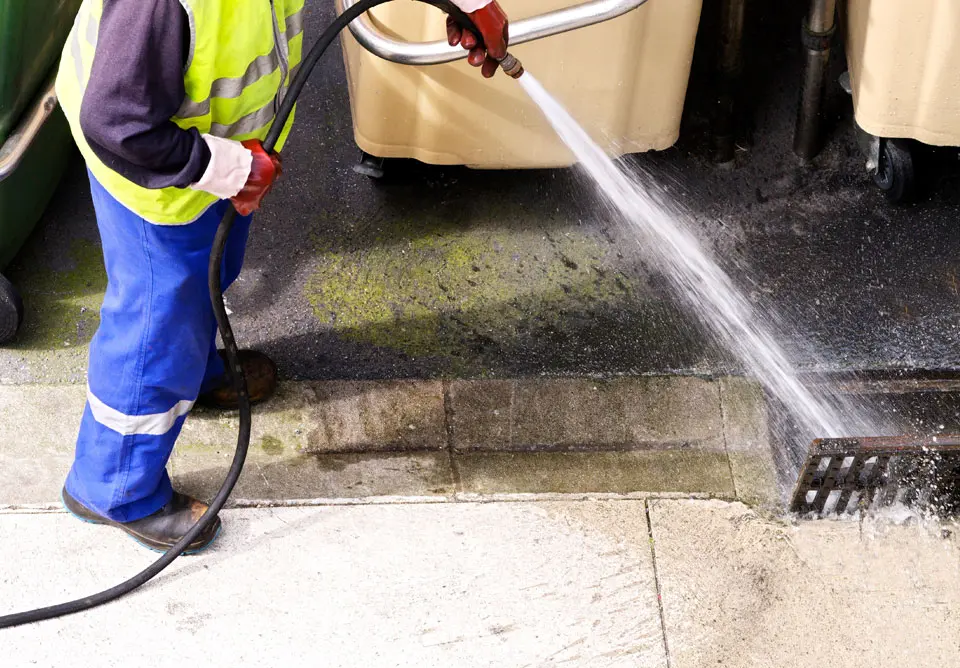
226 333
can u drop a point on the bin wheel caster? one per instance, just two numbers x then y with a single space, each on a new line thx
369 166
11 310
895 174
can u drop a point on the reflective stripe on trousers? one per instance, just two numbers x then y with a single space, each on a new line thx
151 356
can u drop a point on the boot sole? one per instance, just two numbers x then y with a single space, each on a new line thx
138 541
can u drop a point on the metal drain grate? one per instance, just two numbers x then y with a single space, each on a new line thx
843 475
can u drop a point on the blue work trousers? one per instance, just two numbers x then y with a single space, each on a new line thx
153 354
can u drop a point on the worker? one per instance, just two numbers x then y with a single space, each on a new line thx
169 101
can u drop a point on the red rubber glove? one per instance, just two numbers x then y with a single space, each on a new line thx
494 26
264 171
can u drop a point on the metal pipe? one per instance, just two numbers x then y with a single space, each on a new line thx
820 19
15 148
525 30
729 67
732 36
818 30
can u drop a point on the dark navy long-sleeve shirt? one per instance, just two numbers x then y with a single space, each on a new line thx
136 86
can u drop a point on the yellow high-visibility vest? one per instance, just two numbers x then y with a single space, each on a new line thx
240 53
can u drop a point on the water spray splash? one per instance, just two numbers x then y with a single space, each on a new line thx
662 225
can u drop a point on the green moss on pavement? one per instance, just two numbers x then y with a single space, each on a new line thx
444 292
63 307
61 313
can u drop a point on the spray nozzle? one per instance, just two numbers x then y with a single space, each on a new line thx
511 66
509 63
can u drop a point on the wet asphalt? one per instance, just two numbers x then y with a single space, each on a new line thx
850 281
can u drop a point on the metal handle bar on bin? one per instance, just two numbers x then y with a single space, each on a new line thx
13 150
522 31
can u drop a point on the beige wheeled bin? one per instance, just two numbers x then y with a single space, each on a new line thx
903 58
623 76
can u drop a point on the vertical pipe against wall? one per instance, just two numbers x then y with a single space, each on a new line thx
729 68
817 35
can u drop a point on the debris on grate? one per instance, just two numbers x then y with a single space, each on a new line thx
843 475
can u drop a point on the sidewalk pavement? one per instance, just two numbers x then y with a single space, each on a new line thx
442 440
657 583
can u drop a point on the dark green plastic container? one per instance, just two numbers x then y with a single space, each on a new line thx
32 35
25 194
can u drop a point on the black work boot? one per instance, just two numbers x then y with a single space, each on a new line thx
161 530
261 375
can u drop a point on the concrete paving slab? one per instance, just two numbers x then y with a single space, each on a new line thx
351 439
403 415
285 460
481 414
318 476
684 471
564 412
749 443
741 591
632 413
445 585
38 429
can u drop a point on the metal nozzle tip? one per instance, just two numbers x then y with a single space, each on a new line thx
511 66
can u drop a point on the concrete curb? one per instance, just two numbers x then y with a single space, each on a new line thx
444 440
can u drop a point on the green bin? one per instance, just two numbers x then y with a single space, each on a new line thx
35 143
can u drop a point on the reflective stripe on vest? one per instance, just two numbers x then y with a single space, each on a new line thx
240 53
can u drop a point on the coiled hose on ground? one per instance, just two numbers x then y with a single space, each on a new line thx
226 333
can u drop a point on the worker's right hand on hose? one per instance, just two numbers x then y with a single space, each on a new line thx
264 171
493 25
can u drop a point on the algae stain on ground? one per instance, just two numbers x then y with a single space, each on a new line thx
460 290
63 307
61 314
271 445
